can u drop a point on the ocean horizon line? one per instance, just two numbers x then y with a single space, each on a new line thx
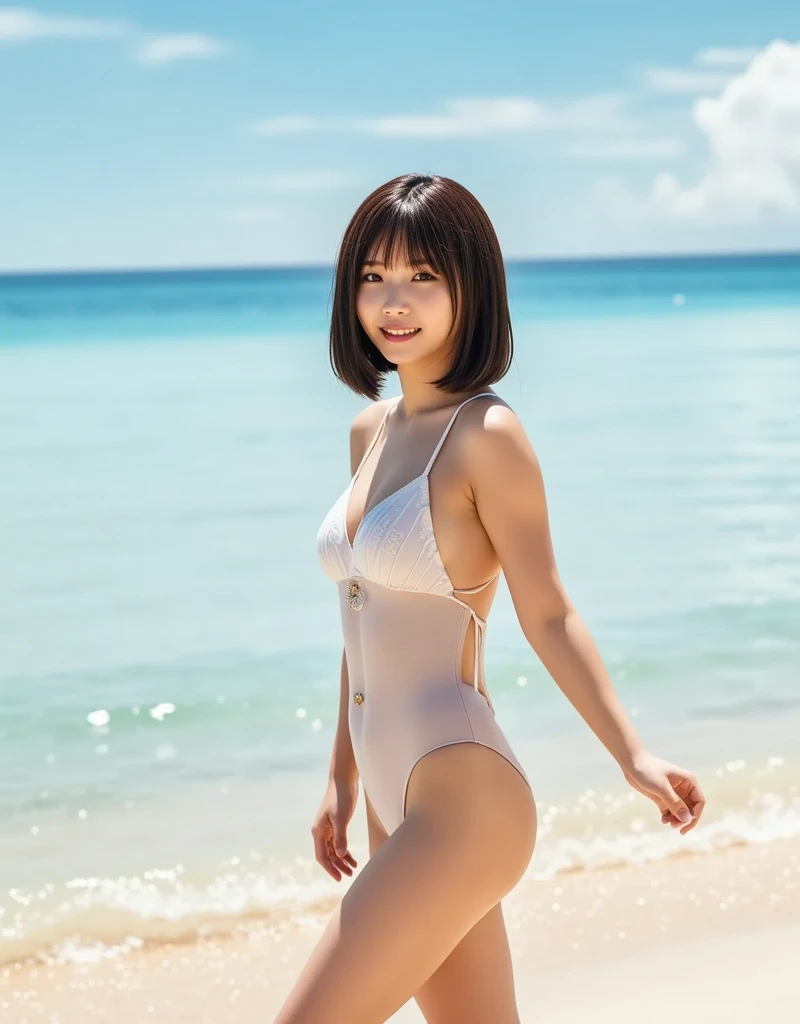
621 260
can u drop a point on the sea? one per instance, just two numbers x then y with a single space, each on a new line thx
169 646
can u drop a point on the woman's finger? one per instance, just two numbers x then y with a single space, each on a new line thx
347 857
342 866
697 809
340 863
692 794
321 854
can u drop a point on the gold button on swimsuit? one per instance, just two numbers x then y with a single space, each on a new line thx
404 630
355 595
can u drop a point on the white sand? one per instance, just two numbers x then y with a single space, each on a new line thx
735 979
700 938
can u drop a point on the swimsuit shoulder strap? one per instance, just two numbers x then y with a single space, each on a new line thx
375 437
432 459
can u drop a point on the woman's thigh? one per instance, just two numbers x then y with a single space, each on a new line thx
476 980
427 885
475 983
376 833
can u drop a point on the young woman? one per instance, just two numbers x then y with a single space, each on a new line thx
446 493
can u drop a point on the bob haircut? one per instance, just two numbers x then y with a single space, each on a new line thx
436 222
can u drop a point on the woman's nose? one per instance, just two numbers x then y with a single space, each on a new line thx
395 301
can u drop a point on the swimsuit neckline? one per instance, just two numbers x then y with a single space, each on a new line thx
368 513
423 476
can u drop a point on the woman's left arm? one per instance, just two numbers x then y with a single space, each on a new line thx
510 500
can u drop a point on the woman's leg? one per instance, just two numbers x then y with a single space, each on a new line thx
476 981
376 833
467 839
475 984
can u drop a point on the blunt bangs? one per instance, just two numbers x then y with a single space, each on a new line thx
430 221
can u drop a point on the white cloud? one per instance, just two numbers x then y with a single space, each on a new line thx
706 76
470 118
720 57
167 48
305 182
603 112
464 117
461 117
686 80
23 25
627 149
753 134
481 117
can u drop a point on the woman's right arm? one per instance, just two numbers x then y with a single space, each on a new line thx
341 795
343 764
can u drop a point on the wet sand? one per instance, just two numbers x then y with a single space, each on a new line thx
701 937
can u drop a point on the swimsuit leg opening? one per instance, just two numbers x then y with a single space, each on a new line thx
455 743
424 754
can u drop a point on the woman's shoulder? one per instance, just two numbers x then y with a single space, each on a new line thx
366 423
367 420
487 413
491 432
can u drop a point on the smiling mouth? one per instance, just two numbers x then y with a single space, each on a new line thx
400 335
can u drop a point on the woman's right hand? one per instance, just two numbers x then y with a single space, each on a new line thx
330 828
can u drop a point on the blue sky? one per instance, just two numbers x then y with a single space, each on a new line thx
192 134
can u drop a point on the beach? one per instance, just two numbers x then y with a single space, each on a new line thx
170 649
702 937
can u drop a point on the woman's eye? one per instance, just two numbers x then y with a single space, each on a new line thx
372 274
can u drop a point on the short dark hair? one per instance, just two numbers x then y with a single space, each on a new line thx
439 223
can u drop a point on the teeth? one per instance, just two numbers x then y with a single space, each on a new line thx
412 330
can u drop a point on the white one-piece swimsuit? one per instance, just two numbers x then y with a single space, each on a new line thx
404 630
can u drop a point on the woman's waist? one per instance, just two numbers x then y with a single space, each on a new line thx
393 669
391 701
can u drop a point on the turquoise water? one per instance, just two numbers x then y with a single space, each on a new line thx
169 647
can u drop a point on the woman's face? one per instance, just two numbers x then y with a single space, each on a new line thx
400 298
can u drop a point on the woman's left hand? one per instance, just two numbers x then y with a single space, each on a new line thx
674 790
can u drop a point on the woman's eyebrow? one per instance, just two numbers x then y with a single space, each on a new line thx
379 263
